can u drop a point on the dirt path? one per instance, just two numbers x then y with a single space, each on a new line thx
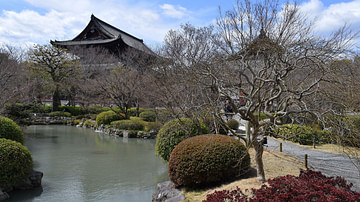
328 163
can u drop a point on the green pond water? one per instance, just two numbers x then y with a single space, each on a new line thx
82 165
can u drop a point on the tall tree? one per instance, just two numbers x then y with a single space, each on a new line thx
53 65
280 63
268 60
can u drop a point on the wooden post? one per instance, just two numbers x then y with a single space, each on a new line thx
280 146
306 161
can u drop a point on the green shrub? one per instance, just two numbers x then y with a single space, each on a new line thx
17 111
10 130
96 109
35 108
15 163
304 135
149 116
164 116
89 123
128 124
175 131
76 122
60 114
153 126
233 124
207 159
132 111
73 110
107 117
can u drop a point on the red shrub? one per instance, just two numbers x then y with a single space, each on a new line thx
309 186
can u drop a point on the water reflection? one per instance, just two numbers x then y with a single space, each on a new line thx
81 165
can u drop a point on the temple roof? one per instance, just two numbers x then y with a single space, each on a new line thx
98 32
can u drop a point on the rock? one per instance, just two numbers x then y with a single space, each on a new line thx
34 180
166 192
3 195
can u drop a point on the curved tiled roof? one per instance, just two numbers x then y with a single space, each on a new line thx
110 34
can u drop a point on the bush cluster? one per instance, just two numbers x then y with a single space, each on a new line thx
107 117
304 135
309 186
153 126
60 114
73 110
15 163
207 159
17 111
133 111
95 109
10 130
89 123
175 131
129 124
149 116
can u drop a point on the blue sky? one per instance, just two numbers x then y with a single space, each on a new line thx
25 22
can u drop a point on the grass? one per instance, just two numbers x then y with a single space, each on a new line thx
275 164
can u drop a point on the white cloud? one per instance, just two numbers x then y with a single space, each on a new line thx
174 12
63 20
330 18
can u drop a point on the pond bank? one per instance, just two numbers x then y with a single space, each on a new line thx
40 119
33 181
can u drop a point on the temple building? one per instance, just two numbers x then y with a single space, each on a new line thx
102 36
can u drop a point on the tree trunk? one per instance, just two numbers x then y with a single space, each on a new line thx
56 99
259 149
248 132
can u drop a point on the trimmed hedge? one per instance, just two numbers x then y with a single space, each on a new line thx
60 114
129 124
107 117
15 163
304 135
207 159
10 130
73 110
175 131
149 116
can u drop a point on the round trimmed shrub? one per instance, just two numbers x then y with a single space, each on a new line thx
207 159
107 117
233 124
10 130
15 162
175 131
149 116
128 124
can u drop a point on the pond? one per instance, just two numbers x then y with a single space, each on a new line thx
82 165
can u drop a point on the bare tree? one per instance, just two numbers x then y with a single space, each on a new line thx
121 87
280 64
267 60
11 72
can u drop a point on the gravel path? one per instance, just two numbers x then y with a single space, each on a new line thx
328 163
